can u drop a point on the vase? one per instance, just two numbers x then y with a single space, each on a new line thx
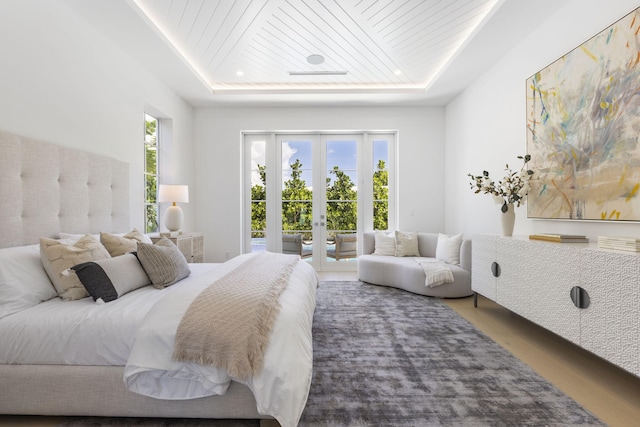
508 220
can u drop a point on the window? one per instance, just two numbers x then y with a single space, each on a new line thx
380 183
151 173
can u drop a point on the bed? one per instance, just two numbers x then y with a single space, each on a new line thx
72 357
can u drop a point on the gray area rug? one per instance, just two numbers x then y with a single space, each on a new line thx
385 357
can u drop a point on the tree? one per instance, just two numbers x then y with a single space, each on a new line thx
259 204
297 202
151 175
342 205
381 197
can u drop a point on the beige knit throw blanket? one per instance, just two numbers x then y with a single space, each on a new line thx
228 325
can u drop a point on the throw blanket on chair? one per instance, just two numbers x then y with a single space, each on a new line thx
228 325
437 272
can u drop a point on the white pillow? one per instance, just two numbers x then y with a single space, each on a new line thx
58 257
407 243
448 248
385 243
110 278
23 281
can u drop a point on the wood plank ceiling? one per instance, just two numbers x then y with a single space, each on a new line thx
248 46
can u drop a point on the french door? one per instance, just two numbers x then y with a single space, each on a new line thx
313 194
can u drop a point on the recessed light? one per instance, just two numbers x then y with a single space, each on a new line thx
397 72
239 73
315 59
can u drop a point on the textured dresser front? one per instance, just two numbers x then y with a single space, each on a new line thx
539 281
483 255
610 326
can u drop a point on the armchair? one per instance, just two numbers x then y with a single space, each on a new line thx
292 244
346 247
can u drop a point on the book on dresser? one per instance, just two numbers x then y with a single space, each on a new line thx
560 238
619 243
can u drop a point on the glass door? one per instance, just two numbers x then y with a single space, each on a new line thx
313 194
340 204
297 194
319 198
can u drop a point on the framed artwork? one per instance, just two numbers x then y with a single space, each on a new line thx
583 129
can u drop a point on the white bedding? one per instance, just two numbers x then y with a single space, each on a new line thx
281 389
127 332
86 333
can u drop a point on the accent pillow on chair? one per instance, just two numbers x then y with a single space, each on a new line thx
407 243
448 248
385 243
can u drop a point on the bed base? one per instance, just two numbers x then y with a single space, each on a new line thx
65 390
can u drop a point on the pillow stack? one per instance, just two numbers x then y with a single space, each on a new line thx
400 243
405 244
111 266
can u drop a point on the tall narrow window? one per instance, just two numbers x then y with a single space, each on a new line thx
380 184
151 173
258 196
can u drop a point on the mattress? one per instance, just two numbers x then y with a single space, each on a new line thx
87 333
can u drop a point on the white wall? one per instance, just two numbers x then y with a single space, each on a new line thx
219 148
61 81
486 128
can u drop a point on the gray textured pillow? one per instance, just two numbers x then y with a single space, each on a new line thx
163 262
407 243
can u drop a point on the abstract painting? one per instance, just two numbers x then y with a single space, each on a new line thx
583 129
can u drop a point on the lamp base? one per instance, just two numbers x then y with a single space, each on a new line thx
173 218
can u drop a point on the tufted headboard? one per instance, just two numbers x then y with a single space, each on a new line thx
46 189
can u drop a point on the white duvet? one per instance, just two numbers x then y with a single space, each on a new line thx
81 332
280 390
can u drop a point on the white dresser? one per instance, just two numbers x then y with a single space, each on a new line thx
535 280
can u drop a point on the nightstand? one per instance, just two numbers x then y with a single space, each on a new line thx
190 244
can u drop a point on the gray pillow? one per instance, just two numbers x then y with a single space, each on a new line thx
163 262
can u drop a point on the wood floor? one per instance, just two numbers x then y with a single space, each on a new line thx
608 392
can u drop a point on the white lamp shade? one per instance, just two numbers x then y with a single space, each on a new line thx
173 193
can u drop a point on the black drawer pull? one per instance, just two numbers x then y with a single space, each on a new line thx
495 269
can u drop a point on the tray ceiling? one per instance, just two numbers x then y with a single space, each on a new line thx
265 52
370 45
